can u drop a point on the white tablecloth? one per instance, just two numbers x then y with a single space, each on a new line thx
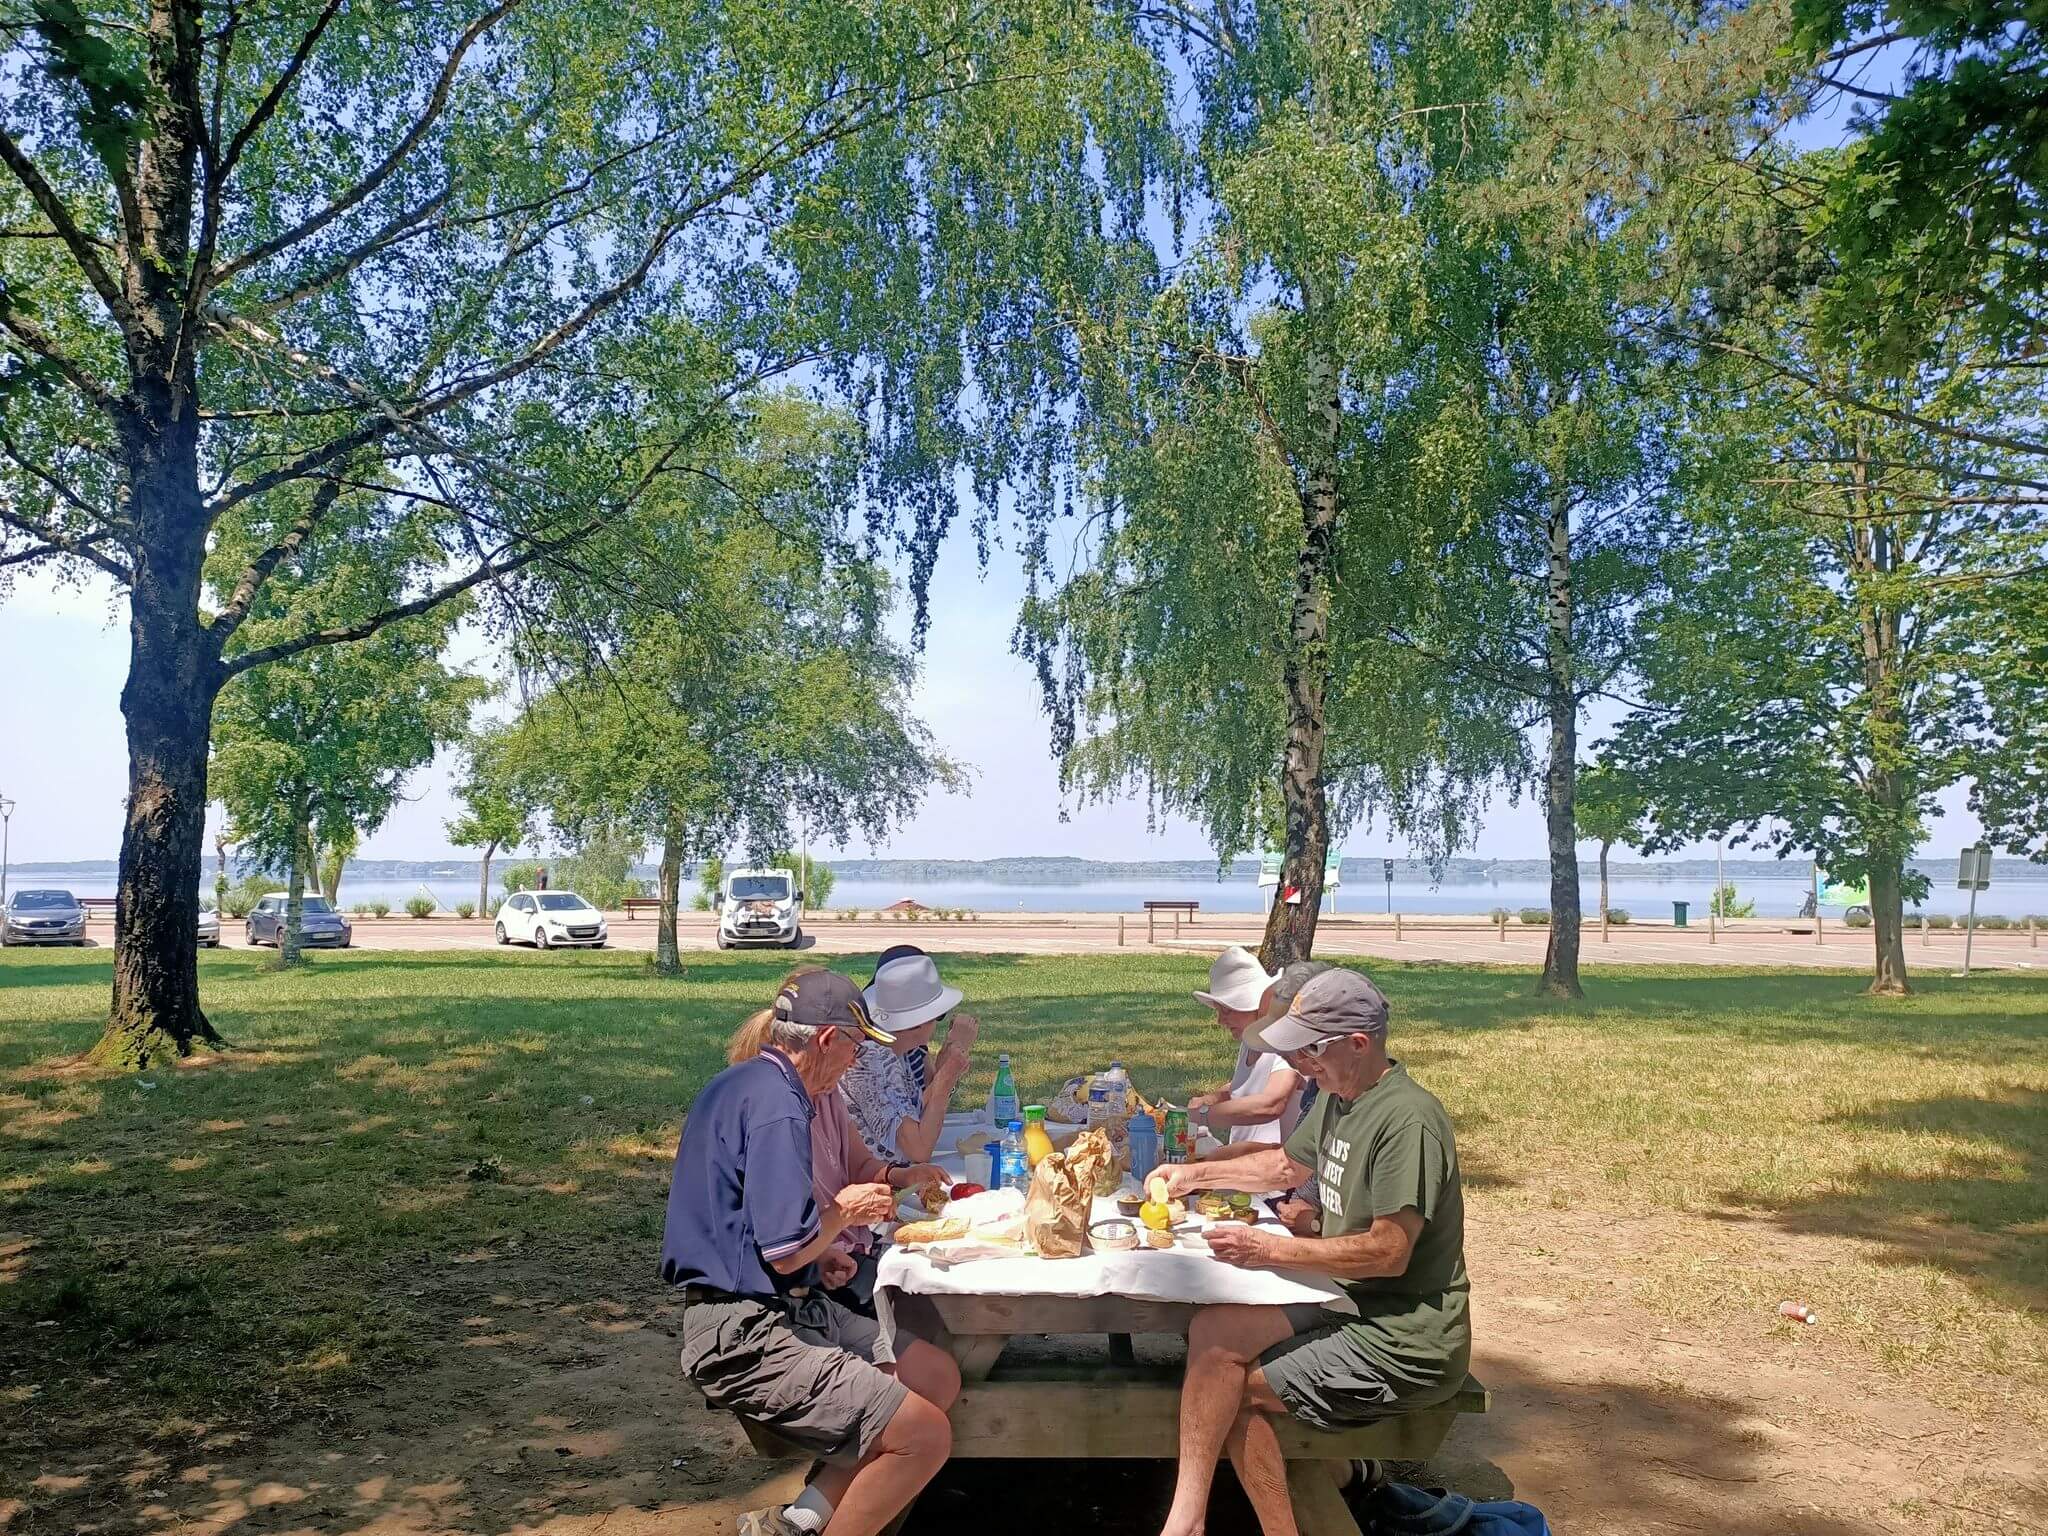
1145 1274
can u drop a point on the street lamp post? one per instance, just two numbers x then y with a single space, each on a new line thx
6 816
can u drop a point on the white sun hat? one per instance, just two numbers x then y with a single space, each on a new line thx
1237 980
907 992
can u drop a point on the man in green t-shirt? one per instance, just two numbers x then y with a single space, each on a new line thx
1383 1159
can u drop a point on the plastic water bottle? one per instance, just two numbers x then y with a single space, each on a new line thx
1003 1106
1144 1135
1016 1163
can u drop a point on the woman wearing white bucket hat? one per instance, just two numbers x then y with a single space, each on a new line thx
1262 1101
899 1117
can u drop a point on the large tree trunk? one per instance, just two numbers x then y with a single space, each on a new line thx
1888 925
483 884
1560 785
1291 926
668 959
291 942
173 664
168 706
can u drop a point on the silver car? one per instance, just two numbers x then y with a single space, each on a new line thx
42 917
209 926
320 926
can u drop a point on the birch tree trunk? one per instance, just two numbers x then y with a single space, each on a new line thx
1560 785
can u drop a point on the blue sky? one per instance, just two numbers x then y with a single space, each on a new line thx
63 761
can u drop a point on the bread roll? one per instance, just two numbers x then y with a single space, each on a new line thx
943 1230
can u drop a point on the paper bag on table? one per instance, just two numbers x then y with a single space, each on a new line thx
1056 1210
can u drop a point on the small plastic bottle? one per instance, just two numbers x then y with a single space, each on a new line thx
1016 1162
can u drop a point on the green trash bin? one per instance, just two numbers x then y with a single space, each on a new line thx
1678 914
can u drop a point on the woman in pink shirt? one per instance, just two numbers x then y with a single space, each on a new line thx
839 1157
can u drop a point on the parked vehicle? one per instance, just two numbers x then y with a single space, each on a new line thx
546 919
761 906
320 926
209 925
42 917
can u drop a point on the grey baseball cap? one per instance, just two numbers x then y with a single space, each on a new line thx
1337 1002
819 998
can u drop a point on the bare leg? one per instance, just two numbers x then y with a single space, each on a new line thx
1255 1453
1223 1343
913 1447
931 1374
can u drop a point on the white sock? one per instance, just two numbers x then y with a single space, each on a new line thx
810 1512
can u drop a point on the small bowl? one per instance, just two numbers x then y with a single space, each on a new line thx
1128 1205
1114 1235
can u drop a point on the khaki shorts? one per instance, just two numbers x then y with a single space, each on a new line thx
1324 1375
810 1370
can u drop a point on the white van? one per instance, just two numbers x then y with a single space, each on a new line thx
761 906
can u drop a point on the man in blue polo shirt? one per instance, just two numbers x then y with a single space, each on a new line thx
745 1240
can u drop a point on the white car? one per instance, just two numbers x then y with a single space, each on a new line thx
761 906
546 919
209 926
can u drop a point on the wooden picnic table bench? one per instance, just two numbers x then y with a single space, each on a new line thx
1154 908
1081 1409
635 905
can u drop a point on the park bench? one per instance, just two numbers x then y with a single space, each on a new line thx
1125 1410
635 905
93 904
1154 908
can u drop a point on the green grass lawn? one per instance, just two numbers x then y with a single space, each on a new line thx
270 1233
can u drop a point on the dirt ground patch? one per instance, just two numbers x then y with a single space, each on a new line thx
553 1406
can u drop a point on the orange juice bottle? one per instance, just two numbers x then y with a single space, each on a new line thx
1037 1144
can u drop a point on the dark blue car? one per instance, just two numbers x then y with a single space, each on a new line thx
320 926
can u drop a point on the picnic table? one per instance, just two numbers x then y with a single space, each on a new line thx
1082 1405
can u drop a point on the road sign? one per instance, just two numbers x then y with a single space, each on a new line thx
1973 872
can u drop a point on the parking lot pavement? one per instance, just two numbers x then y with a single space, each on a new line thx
1752 944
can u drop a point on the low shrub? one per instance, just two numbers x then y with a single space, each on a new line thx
245 893
380 909
420 906
1499 915
465 909
1994 921
1618 916
1940 920
360 909
701 902
1536 917
1857 919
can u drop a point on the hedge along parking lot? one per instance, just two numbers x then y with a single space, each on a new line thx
278 1231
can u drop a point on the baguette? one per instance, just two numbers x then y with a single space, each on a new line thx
943 1230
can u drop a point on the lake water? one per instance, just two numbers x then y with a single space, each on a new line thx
1640 898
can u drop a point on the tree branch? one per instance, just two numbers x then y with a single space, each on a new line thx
34 339
81 546
76 241
342 634
257 572
437 102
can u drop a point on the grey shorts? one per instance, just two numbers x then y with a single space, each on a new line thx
810 1371
1324 1375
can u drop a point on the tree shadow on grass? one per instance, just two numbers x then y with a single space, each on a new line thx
1981 1216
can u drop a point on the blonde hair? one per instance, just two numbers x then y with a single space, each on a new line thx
752 1037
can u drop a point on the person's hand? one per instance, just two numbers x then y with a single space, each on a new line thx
1204 1101
965 1030
861 1205
1303 1218
1180 1180
952 1062
836 1268
1242 1246
921 1176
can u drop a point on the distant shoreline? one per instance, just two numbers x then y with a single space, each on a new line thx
1361 872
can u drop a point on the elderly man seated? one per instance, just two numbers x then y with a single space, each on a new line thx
1392 1235
745 1239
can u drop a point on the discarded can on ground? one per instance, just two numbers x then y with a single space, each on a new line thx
1798 1311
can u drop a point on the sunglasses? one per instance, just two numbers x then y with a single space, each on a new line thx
1314 1050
